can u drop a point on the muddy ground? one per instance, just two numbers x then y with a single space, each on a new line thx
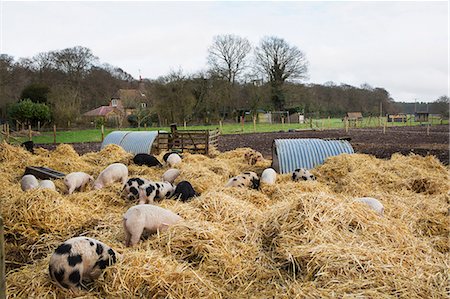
403 140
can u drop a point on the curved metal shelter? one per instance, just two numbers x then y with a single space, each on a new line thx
136 142
290 154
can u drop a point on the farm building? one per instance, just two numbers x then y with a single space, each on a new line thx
122 103
398 118
109 114
421 116
354 116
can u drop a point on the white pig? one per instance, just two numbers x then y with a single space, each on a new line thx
113 173
149 217
47 184
269 176
28 182
77 180
373 203
173 159
170 175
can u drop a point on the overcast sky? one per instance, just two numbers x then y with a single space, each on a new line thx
400 46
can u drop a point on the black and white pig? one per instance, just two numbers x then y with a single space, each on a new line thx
302 174
79 260
131 188
184 191
150 192
146 159
245 179
149 217
166 155
173 159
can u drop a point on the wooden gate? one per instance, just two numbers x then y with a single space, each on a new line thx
192 141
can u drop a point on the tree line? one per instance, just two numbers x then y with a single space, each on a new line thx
239 78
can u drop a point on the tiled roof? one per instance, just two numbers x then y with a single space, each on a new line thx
101 111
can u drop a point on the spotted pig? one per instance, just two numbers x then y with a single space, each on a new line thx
79 260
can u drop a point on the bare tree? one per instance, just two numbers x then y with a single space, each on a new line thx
227 56
279 61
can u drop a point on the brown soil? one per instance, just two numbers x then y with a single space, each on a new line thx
403 140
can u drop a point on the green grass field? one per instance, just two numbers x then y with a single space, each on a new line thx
94 135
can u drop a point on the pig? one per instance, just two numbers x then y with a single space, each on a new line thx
155 190
146 159
47 184
245 179
77 181
166 155
303 174
170 175
29 182
373 203
131 188
29 146
252 157
149 217
113 173
79 260
184 191
173 159
269 176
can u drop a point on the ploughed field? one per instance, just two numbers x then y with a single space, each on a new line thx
371 141
306 239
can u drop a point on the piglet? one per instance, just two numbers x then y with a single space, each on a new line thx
77 181
146 159
113 173
131 188
47 184
269 176
184 191
246 179
149 217
173 159
170 175
373 203
29 182
79 260
302 174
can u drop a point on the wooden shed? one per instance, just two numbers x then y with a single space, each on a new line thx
421 116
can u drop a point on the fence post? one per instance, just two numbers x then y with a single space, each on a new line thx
29 133
242 123
384 127
220 126
103 132
346 124
54 134
2 262
254 123
428 129
39 125
185 124
7 132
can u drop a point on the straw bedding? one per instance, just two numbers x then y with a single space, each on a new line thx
291 239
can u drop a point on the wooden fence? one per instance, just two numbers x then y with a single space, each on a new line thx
193 141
